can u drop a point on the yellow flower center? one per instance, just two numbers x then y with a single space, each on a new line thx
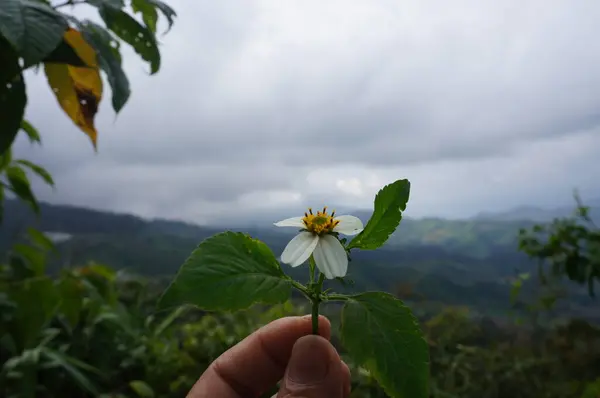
320 223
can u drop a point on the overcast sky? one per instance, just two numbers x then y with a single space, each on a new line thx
270 105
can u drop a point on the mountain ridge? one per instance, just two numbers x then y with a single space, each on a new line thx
462 262
479 235
518 213
536 213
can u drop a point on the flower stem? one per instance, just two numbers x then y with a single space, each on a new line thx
316 301
315 317
311 269
320 283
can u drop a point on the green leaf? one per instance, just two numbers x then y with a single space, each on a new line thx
168 321
65 54
19 268
26 359
142 389
148 12
39 170
31 132
13 99
383 336
71 295
136 35
102 271
33 28
107 37
109 61
36 259
40 239
118 4
229 271
19 184
592 390
9 59
5 159
167 11
36 302
60 360
390 202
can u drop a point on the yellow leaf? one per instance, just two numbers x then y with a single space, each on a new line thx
77 89
87 54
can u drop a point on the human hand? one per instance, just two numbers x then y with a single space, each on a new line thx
307 365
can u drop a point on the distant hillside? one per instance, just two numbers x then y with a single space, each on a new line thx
93 229
470 238
537 214
467 262
475 238
465 251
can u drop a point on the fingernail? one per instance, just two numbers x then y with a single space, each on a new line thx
309 363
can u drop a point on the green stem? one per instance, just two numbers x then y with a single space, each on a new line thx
300 287
312 267
315 317
337 297
320 283
316 301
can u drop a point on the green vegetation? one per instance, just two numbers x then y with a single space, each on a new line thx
571 246
37 34
480 345
92 331
40 34
478 237
438 274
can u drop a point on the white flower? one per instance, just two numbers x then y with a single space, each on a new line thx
316 239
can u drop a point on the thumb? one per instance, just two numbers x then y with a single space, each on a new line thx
315 370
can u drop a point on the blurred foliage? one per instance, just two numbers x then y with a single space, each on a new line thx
72 51
479 236
480 358
569 247
91 331
14 179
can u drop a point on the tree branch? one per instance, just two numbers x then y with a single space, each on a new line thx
68 3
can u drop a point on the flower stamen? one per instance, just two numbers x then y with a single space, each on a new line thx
321 223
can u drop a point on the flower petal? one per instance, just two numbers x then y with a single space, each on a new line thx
331 257
349 225
299 249
291 222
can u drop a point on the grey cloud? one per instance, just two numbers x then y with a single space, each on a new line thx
254 95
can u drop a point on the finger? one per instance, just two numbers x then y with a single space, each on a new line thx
347 379
257 362
315 370
347 383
